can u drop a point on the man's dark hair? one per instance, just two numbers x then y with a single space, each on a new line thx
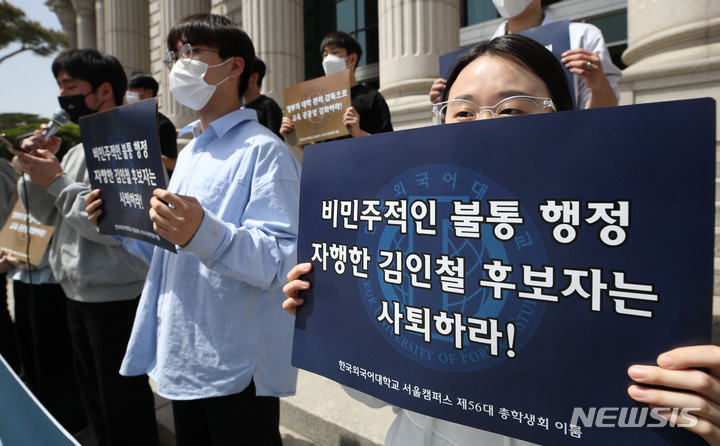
526 52
259 68
219 32
142 80
343 40
94 67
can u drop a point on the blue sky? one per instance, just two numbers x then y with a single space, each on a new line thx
26 81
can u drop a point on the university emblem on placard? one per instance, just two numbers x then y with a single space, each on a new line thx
448 246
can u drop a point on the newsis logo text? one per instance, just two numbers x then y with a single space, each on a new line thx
633 417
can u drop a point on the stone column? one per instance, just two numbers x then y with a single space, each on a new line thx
100 24
674 53
231 9
276 29
413 34
127 33
86 26
63 9
170 11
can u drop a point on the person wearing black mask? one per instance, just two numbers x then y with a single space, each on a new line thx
102 281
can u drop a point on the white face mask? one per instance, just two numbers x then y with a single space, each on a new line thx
187 83
511 8
333 64
132 96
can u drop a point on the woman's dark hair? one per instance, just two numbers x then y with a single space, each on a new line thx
94 67
526 52
343 40
219 32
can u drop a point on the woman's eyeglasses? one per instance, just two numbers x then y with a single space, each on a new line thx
459 110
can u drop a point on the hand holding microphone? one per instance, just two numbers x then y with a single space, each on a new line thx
41 139
59 119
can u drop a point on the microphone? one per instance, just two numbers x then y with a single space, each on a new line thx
59 119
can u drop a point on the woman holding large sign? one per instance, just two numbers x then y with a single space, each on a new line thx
509 76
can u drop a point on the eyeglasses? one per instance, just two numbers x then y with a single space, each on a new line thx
459 110
185 54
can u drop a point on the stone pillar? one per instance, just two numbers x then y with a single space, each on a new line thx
86 26
170 11
157 49
100 24
63 9
231 9
413 34
276 29
674 53
127 33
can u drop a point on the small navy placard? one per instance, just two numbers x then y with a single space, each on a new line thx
124 161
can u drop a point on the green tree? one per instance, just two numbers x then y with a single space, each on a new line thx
70 134
10 120
29 34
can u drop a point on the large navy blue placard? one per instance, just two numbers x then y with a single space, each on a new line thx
503 272
124 161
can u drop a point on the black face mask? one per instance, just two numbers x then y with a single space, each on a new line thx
75 106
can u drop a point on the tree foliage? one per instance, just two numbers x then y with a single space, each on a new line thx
70 134
16 28
10 120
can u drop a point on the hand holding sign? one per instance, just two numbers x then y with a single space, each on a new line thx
437 90
93 204
294 286
176 218
9 261
351 119
588 65
681 369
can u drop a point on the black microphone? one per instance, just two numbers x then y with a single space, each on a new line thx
59 119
